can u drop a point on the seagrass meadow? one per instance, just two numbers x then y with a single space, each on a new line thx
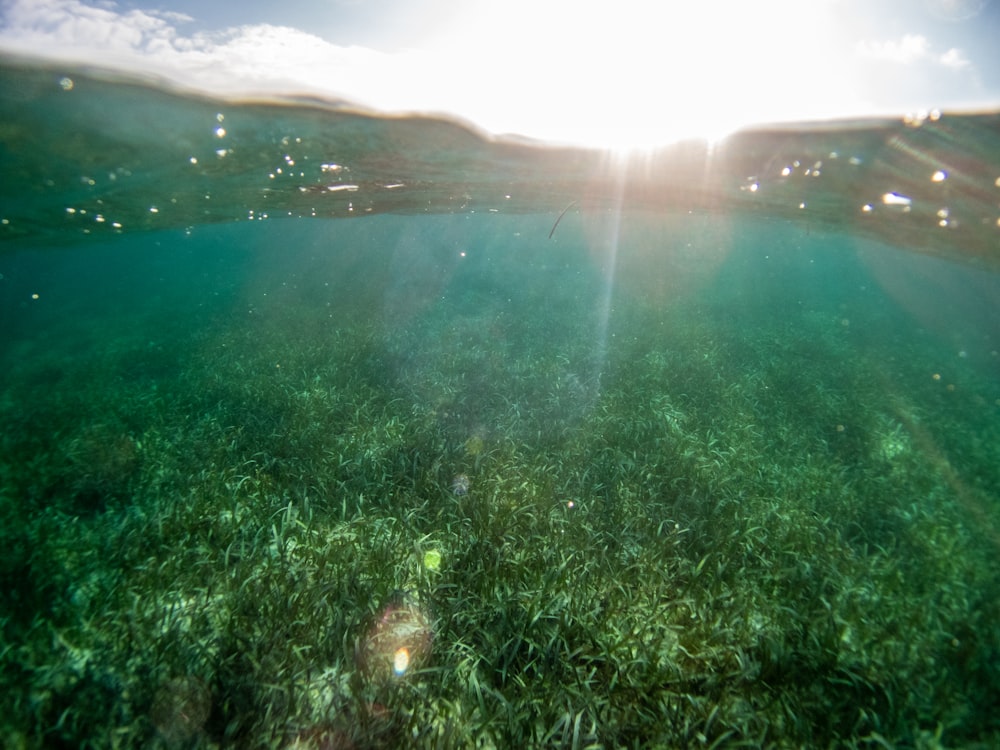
430 477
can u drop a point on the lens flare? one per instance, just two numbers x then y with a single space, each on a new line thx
397 643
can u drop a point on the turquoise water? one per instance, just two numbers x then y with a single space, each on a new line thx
317 434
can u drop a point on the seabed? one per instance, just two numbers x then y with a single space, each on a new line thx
689 533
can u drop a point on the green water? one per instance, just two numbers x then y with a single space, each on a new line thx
286 463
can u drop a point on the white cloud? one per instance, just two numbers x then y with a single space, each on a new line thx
954 59
912 49
68 22
258 59
906 51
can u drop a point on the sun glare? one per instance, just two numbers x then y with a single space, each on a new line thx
619 75
626 74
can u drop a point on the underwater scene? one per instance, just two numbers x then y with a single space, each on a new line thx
328 430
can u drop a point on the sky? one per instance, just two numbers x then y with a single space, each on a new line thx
617 73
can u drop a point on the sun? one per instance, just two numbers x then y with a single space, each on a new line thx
631 74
